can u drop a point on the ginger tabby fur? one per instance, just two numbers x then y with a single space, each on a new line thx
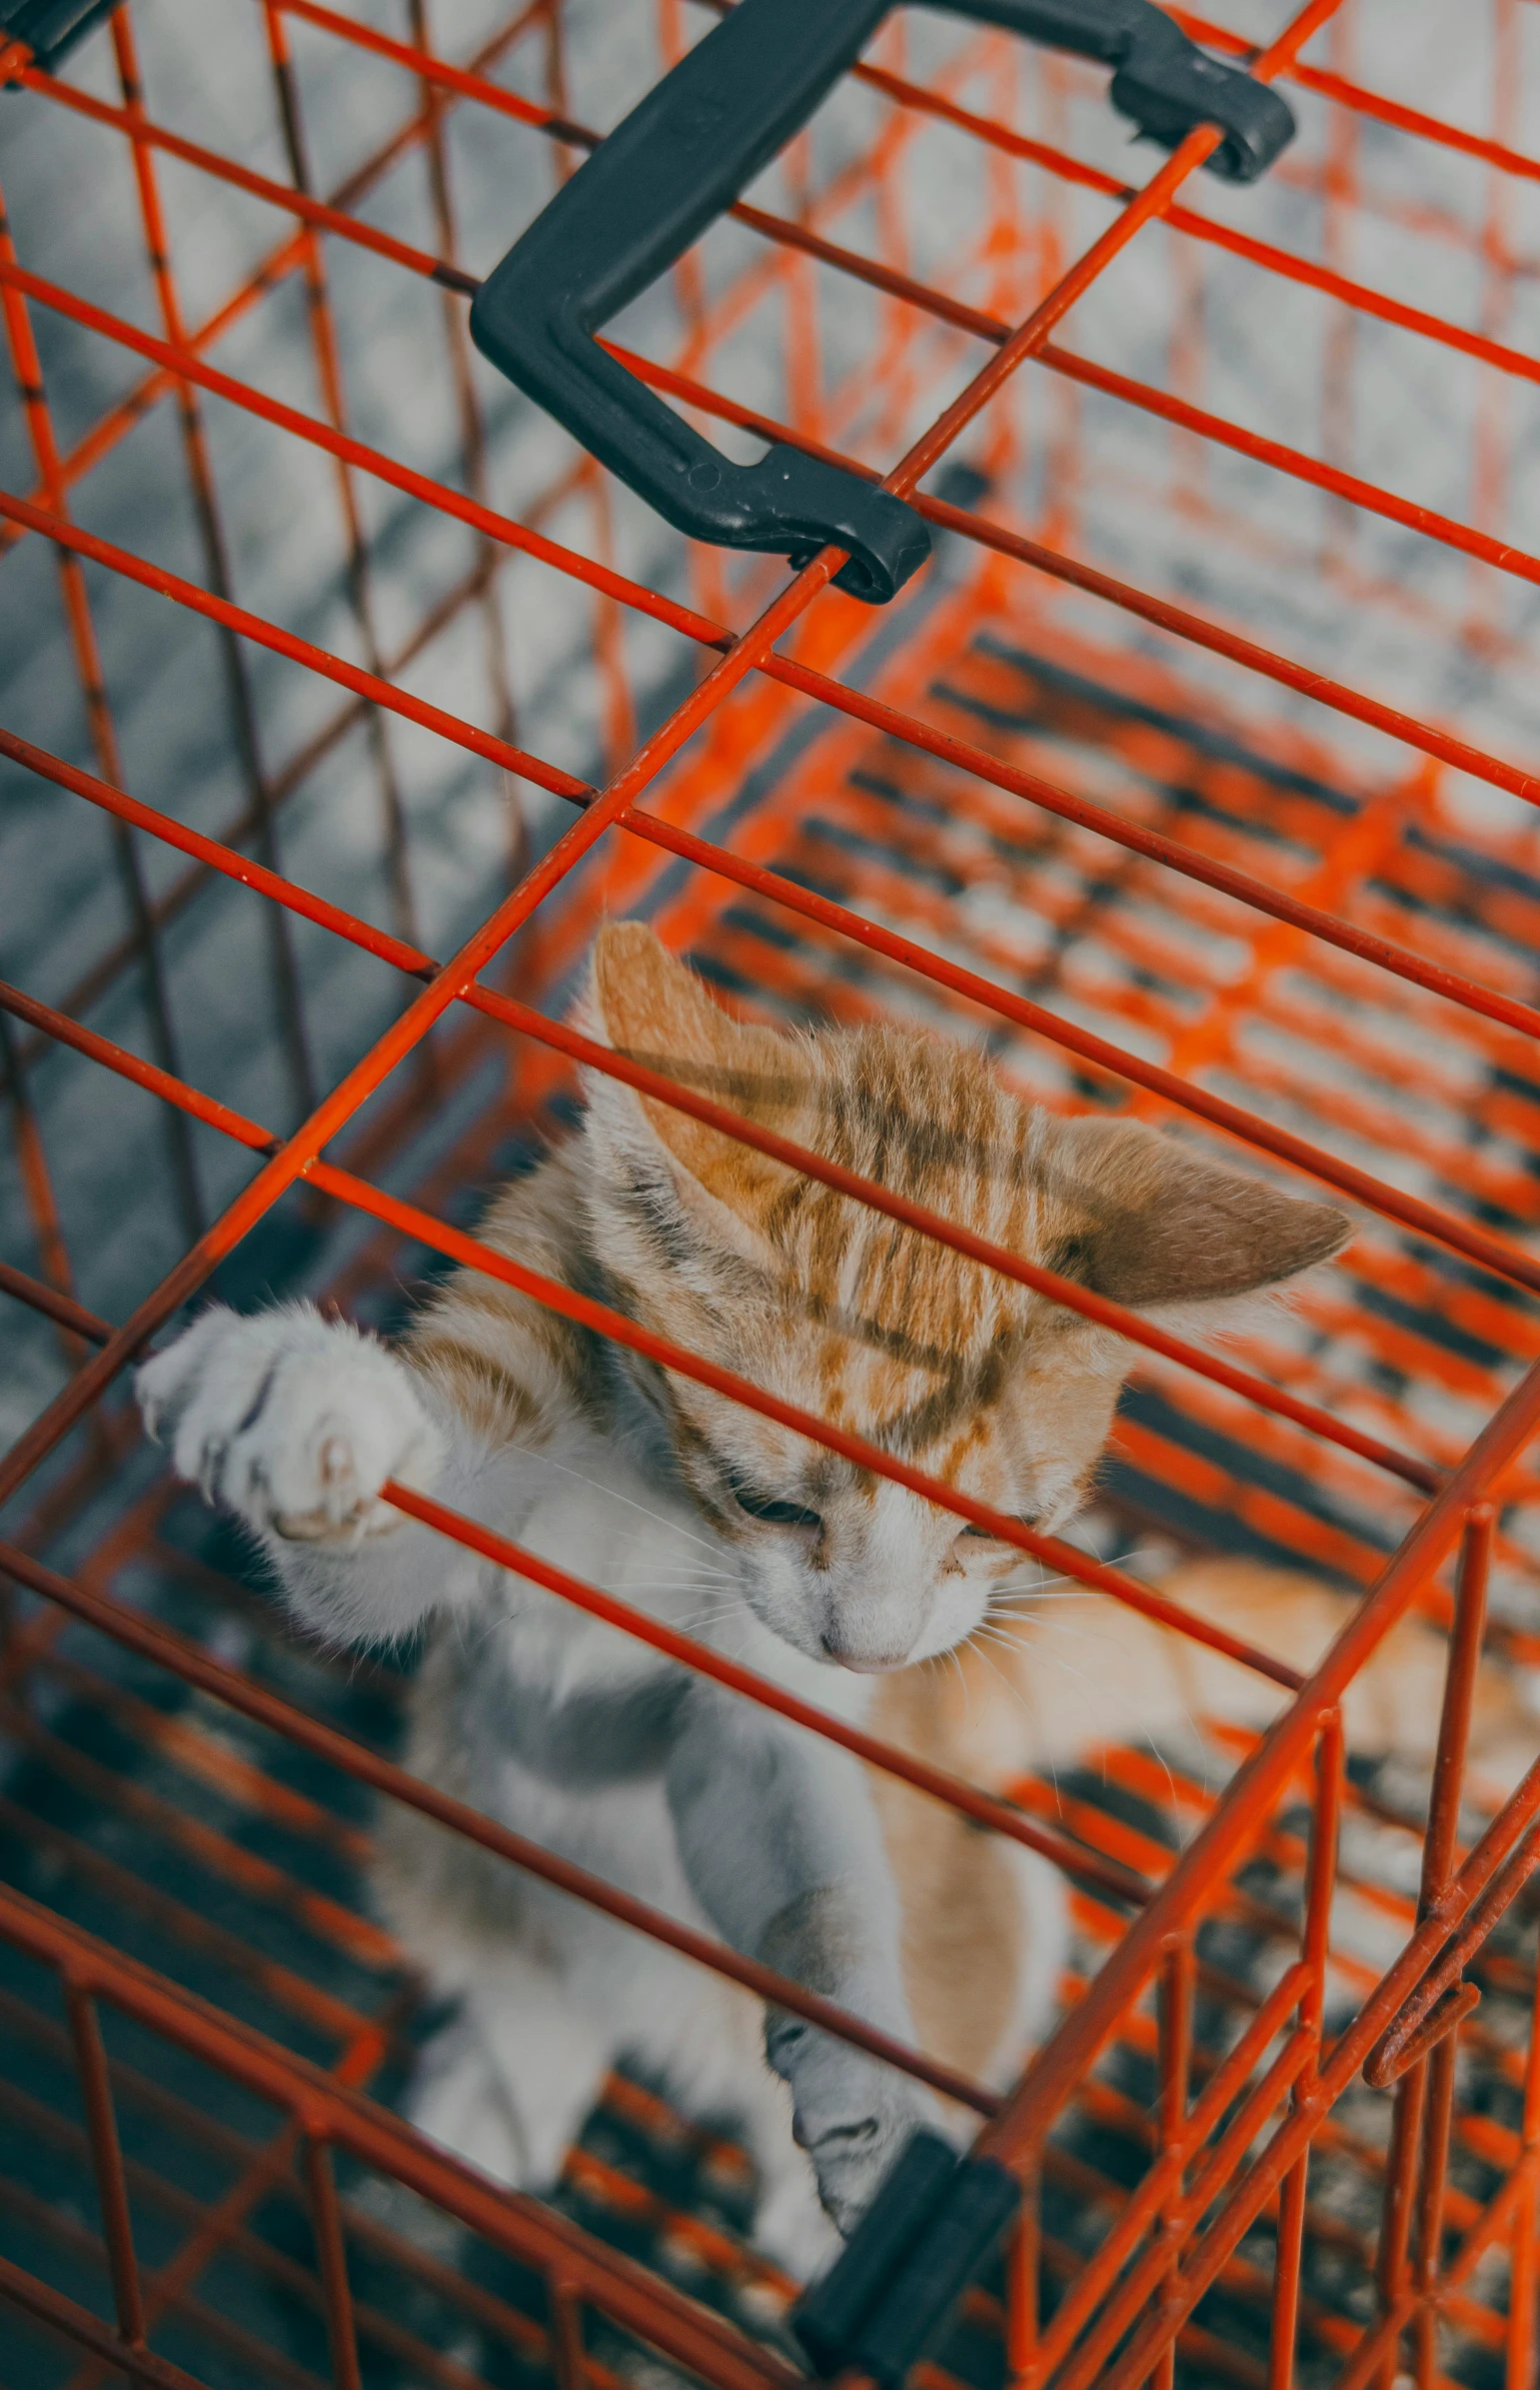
1084 1676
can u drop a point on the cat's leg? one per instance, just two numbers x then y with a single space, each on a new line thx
508 2083
457 2097
706 2039
791 2224
781 1842
550 2054
294 1423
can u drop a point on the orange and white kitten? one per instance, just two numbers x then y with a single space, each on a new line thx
769 1547
1055 1684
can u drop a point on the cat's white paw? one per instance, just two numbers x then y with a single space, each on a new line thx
851 2114
791 2227
457 2098
291 1421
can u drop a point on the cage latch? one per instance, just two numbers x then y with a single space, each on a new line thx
684 155
893 2289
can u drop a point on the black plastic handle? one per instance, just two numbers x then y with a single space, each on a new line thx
681 158
50 27
894 2288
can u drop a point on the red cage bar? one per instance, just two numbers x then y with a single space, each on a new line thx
1380 1475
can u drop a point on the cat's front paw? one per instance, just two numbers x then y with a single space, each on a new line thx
291 1421
851 2114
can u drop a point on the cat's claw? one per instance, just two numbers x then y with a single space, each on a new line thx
290 1421
851 2114
792 2228
852 2161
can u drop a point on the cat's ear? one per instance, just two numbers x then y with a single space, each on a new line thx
1148 1223
643 1002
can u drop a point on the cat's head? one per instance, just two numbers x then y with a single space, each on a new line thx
835 1307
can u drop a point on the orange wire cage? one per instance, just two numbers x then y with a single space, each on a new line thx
349 694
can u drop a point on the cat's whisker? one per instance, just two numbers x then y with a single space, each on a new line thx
1170 1781
950 1653
658 1600
1041 1589
1094 1627
1056 1658
1018 1613
686 1581
681 1578
681 1581
702 1621
471 1644
1014 1691
563 1469
666 1573
988 1630
1199 1739
1127 1559
1028 1597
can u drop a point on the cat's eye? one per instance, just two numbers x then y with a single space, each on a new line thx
775 1514
1021 1518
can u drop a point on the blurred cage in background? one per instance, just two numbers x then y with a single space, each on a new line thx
1183 777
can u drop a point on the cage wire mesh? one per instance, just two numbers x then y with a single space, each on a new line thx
1184 777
